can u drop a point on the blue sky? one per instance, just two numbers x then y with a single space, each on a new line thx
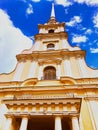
19 20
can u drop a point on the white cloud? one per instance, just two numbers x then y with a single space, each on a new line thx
94 50
31 0
88 2
95 20
36 0
74 21
29 9
64 3
88 31
12 42
79 39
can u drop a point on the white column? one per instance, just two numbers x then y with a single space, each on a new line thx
94 108
8 123
58 125
67 67
40 75
24 123
32 69
82 67
91 115
75 123
58 71
18 71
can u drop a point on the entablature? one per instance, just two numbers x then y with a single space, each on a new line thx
38 114
63 53
73 103
40 101
66 82
9 92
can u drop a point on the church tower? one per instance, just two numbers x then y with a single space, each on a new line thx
51 88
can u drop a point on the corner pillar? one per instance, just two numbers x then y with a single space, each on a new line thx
75 123
8 123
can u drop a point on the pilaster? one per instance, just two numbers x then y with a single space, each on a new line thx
8 122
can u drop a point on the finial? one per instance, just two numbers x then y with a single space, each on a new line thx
52 19
52 11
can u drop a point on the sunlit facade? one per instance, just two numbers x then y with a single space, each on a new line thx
51 88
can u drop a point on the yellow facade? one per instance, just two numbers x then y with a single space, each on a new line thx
51 86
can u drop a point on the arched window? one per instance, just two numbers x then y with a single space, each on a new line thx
51 31
49 73
50 46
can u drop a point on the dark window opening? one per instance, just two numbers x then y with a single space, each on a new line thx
51 31
50 46
49 73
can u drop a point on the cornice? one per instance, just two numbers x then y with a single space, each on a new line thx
50 89
53 100
81 82
46 26
59 35
63 53
53 113
76 102
11 83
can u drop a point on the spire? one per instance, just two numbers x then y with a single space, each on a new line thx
52 19
52 11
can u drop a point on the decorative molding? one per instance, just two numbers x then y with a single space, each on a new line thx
68 80
50 60
51 41
47 26
29 82
63 53
30 114
59 35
